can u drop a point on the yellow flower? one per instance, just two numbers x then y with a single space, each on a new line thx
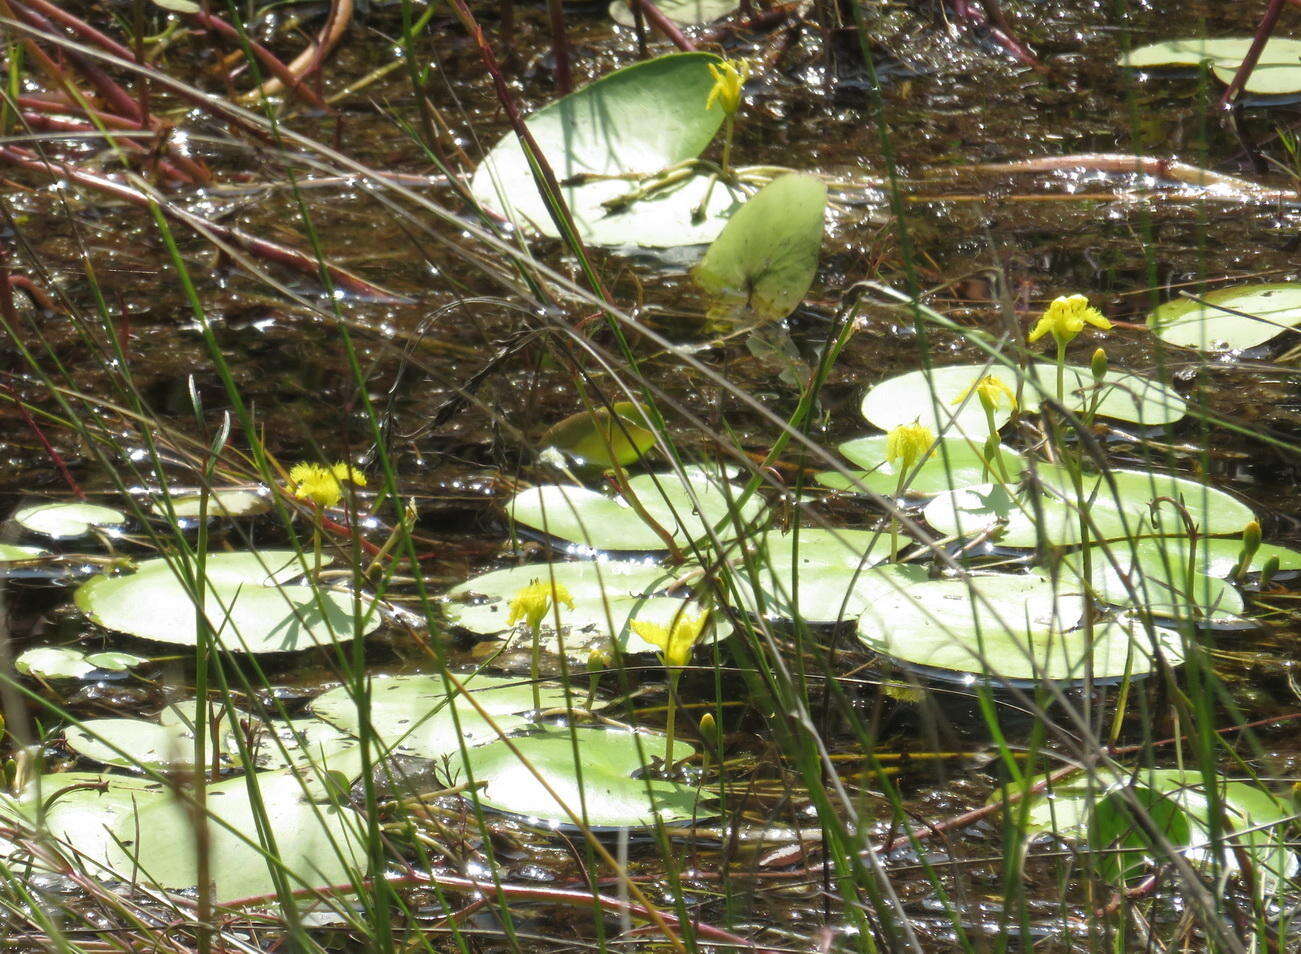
674 643
323 486
729 78
907 444
991 391
532 602
1066 318
352 475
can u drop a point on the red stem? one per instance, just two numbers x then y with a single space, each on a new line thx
79 27
1248 64
53 123
656 18
263 248
997 30
268 59
549 185
35 292
40 436
560 46
517 892
121 101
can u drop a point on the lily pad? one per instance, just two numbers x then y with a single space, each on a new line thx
114 661
599 438
1011 627
953 463
54 662
416 715
820 575
686 510
222 502
606 594
1278 70
940 399
1267 79
1217 324
315 845
1156 587
247 610
763 262
603 140
67 520
1019 519
168 743
592 771
14 553
1254 818
84 808
686 12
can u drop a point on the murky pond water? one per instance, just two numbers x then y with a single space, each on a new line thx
466 376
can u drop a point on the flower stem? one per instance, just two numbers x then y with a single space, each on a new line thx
727 146
674 675
1061 373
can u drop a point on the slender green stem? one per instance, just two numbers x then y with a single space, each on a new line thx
671 721
728 125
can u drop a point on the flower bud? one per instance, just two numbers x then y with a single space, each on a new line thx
1099 364
1267 574
709 730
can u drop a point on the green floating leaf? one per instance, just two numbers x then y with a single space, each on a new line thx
687 510
114 661
1278 70
591 771
1267 79
221 502
1158 573
763 262
604 138
67 521
81 812
1214 326
1011 628
416 715
1124 837
13 553
606 594
601 439
168 744
1253 818
315 845
954 463
54 662
247 610
819 575
686 12
1020 520
941 400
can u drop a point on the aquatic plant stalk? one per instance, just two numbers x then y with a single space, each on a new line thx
1248 64
656 18
310 59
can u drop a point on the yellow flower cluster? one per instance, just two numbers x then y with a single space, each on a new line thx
532 602
674 643
321 485
729 80
1066 318
907 444
990 391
